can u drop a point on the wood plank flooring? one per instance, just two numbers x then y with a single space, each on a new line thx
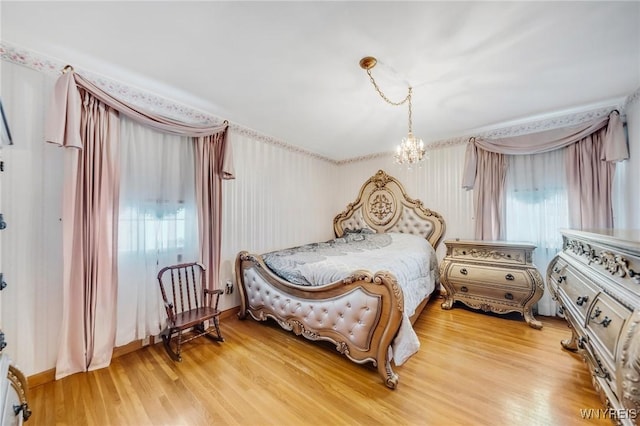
472 368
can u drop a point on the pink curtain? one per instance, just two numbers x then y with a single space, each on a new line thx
90 220
90 213
486 176
489 195
212 166
535 143
589 180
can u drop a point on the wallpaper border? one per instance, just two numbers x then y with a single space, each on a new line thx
633 98
141 98
176 110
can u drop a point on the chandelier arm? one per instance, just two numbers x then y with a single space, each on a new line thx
382 94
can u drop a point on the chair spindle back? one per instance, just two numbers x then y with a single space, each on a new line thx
187 283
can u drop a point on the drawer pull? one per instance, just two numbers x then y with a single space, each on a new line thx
596 313
605 322
464 289
464 271
26 411
509 277
581 300
508 296
599 369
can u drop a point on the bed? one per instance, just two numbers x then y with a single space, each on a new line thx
361 291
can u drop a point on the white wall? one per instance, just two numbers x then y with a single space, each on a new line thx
32 241
279 199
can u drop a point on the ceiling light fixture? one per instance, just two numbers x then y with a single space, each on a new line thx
411 149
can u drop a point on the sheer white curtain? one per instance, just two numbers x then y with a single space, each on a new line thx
157 223
537 208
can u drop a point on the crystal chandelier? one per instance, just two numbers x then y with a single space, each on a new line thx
411 149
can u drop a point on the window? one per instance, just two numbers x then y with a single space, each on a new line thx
157 223
152 229
536 208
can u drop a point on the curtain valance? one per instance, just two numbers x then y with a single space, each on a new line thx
615 144
62 126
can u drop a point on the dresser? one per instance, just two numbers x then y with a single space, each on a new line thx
494 276
596 280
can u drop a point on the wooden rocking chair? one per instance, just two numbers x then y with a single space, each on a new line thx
189 303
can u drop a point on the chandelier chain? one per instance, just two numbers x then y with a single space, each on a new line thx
389 101
382 94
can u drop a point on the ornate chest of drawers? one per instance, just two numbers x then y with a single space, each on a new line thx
495 276
596 280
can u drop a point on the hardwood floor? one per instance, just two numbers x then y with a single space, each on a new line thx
472 368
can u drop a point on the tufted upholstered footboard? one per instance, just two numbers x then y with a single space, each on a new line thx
360 315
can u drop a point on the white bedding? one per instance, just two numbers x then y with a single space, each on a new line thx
410 258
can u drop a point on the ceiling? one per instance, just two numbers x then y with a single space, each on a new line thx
289 70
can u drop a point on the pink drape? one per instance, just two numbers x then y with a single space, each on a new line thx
91 209
90 220
584 181
489 195
590 180
211 168
535 143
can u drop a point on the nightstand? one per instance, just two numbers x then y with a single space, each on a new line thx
494 276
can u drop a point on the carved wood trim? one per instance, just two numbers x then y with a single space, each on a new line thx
628 368
487 253
613 263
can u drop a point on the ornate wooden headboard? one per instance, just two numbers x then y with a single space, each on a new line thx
383 206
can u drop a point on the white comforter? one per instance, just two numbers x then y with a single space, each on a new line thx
409 257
